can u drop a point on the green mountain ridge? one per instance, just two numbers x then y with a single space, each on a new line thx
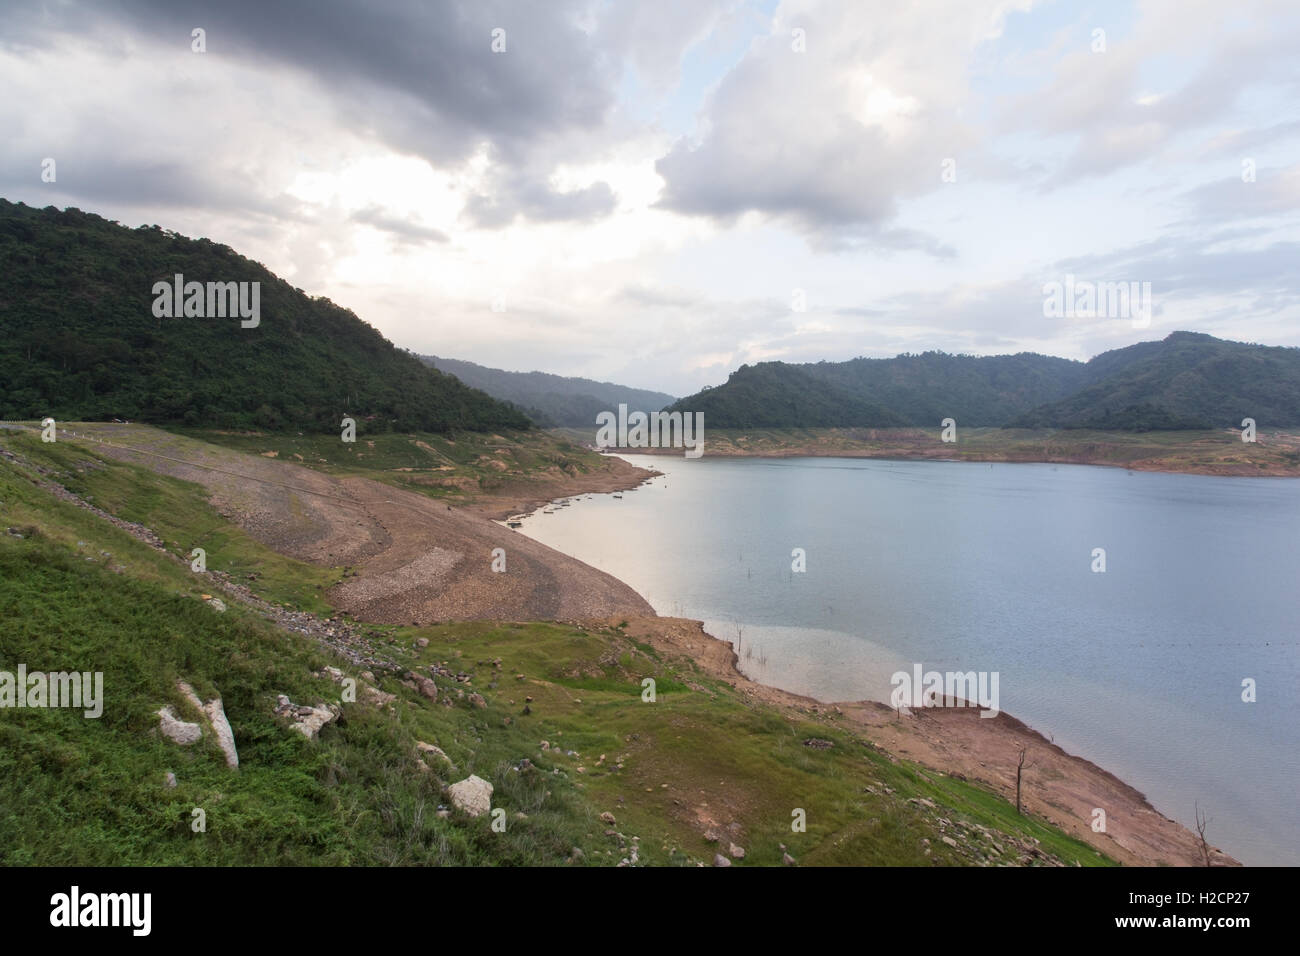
1189 380
81 341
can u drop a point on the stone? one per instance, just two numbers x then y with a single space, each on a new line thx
169 779
737 852
177 730
787 859
950 841
720 860
425 686
310 723
423 748
472 796
221 728
476 700
607 817
422 642
217 604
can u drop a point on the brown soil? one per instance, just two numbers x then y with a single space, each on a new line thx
522 497
411 559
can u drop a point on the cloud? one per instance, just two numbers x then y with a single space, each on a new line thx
404 229
831 139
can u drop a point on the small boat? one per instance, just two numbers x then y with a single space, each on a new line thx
618 496
514 524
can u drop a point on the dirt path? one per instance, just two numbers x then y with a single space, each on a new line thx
415 560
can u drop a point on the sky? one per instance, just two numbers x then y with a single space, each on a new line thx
655 193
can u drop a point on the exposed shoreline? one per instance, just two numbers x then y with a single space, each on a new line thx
1062 788
385 533
1274 454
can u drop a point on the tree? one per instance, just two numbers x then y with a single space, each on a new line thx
1202 821
1020 768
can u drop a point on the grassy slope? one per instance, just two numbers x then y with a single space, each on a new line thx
458 467
79 791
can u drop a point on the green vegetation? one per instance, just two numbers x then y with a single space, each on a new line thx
82 343
551 400
456 466
78 593
1186 381
884 393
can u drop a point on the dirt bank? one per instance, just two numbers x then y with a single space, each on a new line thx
413 560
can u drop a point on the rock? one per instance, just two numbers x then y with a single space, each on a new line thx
737 852
422 642
221 728
423 748
425 686
472 796
378 698
170 780
310 723
546 745
720 860
787 859
217 604
476 700
177 730
816 743
608 817
949 841
710 836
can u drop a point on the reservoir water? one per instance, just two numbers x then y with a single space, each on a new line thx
964 566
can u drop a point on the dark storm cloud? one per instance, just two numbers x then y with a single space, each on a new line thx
419 74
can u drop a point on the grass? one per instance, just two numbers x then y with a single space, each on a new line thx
78 593
457 467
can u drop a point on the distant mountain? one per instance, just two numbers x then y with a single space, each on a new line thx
83 340
1188 380
552 400
908 390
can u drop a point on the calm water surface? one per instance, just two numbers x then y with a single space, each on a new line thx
963 566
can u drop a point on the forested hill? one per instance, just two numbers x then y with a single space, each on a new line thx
882 393
552 400
81 340
1187 380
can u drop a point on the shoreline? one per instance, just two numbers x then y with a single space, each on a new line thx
1218 453
1062 788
